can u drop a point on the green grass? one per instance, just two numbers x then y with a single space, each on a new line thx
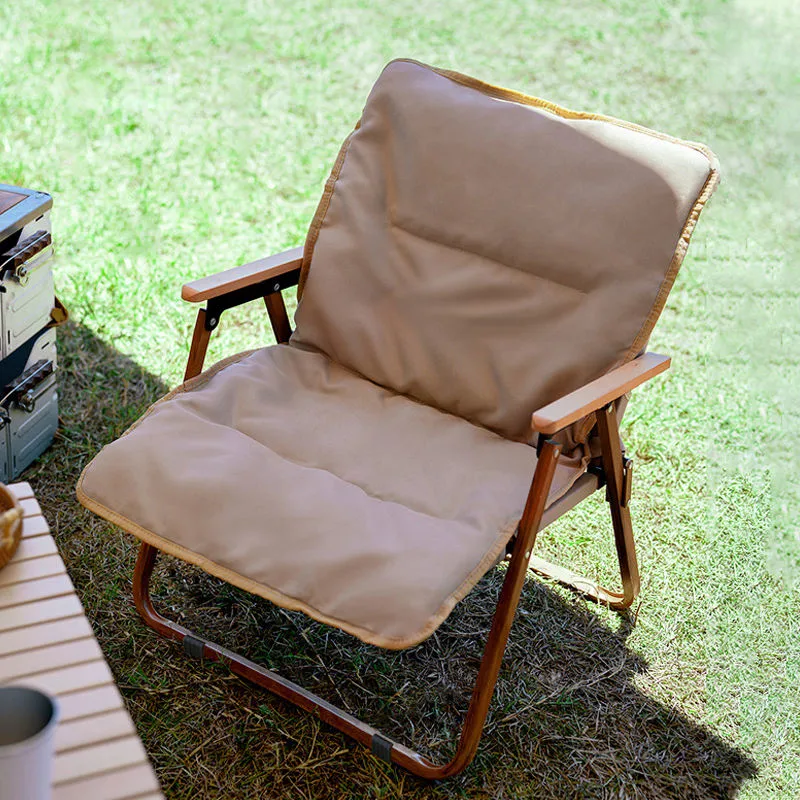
181 137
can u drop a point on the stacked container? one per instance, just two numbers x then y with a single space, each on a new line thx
28 317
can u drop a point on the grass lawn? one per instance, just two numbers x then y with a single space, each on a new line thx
182 137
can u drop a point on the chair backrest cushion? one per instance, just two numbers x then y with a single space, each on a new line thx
485 252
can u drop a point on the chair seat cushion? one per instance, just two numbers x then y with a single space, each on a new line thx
293 478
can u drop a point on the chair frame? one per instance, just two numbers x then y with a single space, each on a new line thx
266 279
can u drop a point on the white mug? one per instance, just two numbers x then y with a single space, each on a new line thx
28 720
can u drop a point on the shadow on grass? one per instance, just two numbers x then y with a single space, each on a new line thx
568 720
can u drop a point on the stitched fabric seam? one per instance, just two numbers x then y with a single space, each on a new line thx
534 275
288 601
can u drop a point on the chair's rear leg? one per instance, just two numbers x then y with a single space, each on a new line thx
204 326
364 734
278 317
617 476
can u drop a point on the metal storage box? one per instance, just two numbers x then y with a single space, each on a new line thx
28 387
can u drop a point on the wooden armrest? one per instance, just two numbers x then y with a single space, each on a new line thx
241 277
599 393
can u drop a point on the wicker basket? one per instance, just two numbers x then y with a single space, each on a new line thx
10 525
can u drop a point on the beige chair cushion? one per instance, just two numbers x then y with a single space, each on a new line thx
486 252
476 254
291 477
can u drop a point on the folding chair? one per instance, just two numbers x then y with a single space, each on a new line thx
477 289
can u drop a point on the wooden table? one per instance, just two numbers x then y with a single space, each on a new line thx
46 642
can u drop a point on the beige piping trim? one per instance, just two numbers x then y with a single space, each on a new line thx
291 603
320 213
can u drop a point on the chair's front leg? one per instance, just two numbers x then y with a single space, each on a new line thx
504 614
197 352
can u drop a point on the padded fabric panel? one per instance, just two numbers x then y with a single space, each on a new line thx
487 256
293 478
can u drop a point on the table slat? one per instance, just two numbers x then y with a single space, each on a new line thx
34 526
125 784
93 730
89 702
19 571
42 589
30 507
98 758
20 490
21 666
71 679
44 634
34 547
43 611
